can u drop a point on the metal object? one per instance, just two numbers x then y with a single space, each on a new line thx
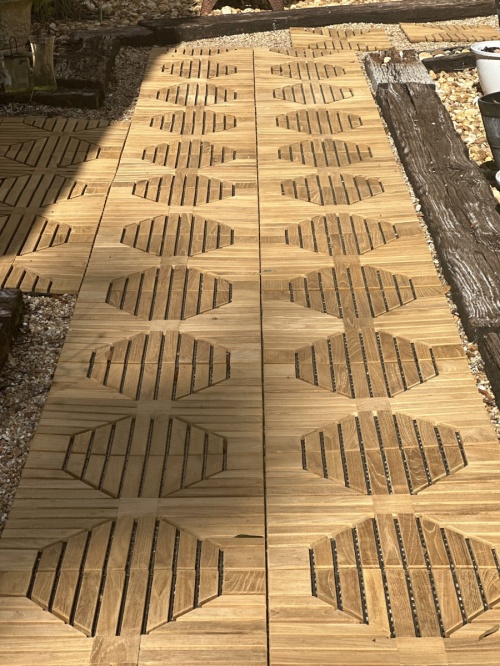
17 70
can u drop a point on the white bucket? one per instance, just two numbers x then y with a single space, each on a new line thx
488 66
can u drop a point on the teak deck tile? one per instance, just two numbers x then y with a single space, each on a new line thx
263 443
46 165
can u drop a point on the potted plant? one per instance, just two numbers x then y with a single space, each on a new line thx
488 64
15 21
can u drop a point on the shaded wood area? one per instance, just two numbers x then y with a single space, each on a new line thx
458 205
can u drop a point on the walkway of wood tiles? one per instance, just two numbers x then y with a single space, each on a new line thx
263 444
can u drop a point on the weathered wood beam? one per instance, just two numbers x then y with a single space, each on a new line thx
459 208
171 31
451 62
396 66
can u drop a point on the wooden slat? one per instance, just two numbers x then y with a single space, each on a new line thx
258 251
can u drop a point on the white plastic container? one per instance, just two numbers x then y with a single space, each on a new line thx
488 65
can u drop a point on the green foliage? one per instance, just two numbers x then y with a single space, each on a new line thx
60 9
66 9
42 5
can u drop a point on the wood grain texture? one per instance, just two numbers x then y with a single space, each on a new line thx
267 323
465 230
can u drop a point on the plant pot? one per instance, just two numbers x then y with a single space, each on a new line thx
15 21
488 65
43 62
489 106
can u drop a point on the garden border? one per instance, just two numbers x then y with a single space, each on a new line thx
461 213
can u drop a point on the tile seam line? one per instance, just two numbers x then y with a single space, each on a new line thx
264 482
106 199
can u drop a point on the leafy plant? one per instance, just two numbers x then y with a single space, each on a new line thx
61 9
43 9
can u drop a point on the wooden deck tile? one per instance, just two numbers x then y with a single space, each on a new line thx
46 166
436 32
263 443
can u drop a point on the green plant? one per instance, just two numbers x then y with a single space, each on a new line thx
60 9
43 9
66 9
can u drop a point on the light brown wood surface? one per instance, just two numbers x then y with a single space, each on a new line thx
263 444
438 32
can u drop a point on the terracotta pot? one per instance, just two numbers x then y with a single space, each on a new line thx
15 21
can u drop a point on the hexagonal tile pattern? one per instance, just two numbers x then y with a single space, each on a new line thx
38 190
160 366
194 120
303 53
198 69
383 453
347 39
312 93
64 151
322 153
200 51
195 94
23 234
365 364
432 579
183 235
169 292
312 71
346 291
338 189
340 234
194 154
183 189
58 125
319 121
18 277
126 577
145 456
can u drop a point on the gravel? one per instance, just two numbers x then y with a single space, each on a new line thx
120 99
266 40
24 385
